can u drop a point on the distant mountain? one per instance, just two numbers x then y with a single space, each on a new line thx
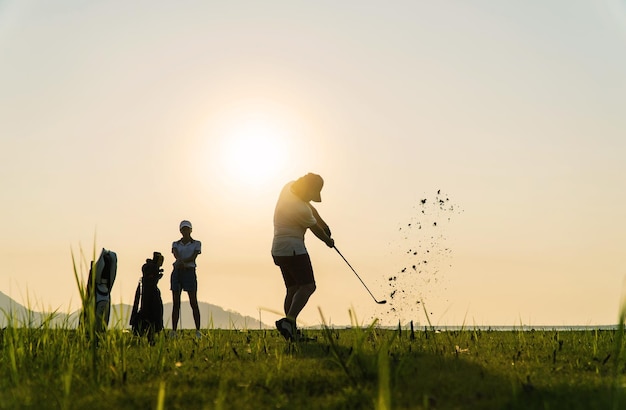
212 316
10 310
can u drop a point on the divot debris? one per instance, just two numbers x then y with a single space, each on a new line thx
425 256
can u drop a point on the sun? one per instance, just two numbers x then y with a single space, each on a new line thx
252 152
249 146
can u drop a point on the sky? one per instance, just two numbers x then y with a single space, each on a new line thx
120 119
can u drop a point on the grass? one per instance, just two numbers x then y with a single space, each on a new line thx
345 368
357 368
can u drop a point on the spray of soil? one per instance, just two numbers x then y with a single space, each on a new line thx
424 256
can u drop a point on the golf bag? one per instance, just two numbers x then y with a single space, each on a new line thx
99 287
147 315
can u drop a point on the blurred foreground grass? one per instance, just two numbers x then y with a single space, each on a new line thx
356 368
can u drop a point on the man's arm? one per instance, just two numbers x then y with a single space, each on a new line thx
321 234
320 222
321 229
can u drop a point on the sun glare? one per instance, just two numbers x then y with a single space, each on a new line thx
249 145
253 153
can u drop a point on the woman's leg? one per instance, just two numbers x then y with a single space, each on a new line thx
193 300
175 308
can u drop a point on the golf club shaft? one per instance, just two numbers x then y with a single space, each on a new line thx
357 275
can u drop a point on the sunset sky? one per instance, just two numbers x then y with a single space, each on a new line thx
119 119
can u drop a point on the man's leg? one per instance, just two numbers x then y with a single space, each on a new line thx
299 300
296 270
291 291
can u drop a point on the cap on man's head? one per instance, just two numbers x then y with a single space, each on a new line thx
185 223
156 256
315 183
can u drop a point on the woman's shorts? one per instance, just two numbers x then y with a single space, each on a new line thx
296 270
184 279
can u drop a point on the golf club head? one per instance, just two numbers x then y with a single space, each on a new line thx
381 302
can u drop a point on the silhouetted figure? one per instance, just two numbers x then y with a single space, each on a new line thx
292 217
184 277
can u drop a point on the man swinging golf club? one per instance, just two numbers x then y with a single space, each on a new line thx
292 217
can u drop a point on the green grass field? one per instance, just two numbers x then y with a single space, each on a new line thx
357 368
45 367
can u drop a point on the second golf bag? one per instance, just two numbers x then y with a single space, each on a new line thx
147 315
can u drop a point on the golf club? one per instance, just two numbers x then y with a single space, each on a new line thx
380 302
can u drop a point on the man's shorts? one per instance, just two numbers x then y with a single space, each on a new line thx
296 270
184 279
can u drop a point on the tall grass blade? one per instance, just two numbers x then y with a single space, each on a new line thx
334 348
619 344
384 379
161 397
87 321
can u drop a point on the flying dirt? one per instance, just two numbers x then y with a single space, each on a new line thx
424 256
